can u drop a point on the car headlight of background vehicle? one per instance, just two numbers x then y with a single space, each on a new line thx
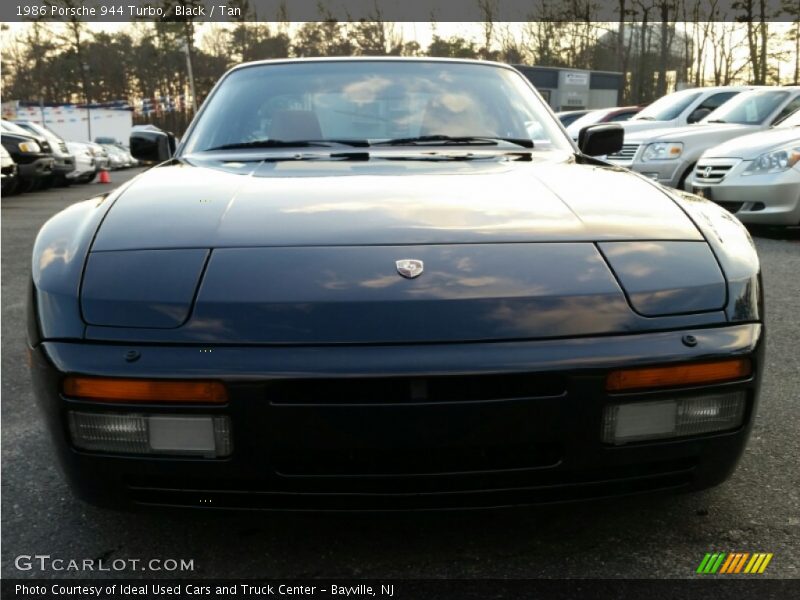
774 162
662 151
29 147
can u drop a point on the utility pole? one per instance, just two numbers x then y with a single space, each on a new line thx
191 76
87 97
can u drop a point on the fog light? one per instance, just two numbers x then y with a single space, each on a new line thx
128 433
678 417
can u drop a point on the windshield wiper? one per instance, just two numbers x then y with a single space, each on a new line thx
638 118
447 139
291 144
716 121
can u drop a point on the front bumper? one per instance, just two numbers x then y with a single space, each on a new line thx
9 171
41 167
319 429
83 168
665 172
756 199
64 165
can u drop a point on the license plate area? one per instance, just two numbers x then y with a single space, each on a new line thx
420 439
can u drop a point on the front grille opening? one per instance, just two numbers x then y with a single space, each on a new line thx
628 151
387 390
757 206
334 462
711 173
529 487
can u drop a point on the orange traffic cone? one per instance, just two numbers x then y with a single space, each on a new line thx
104 177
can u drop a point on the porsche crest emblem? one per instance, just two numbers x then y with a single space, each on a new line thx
410 267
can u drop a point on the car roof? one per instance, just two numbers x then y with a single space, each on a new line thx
419 59
11 127
719 88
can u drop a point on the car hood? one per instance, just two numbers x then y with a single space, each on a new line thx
750 146
634 126
216 203
699 131
312 252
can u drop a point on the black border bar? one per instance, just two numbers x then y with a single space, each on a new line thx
702 587
392 10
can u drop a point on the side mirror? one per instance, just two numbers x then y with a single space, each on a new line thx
599 140
698 115
152 145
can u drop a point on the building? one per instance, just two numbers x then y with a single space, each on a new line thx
71 122
575 89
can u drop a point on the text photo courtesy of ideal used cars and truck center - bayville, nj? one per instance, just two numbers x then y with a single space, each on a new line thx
469 300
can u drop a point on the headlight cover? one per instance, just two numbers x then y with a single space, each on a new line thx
774 162
29 147
662 151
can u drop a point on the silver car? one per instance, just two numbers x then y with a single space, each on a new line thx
683 107
757 176
100 154
668 156
85 165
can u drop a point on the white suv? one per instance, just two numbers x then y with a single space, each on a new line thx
673 110
668 156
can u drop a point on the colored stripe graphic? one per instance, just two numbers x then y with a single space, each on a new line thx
734 562
718 563
711 562
733 558
703 563
764 564
759 563
741 562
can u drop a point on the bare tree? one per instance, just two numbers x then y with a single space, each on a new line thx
668 14
792 9
375 36
754 15
488 10
638 78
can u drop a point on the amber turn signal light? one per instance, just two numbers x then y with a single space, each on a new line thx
144 390
679 375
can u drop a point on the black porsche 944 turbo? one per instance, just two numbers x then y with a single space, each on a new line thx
391 284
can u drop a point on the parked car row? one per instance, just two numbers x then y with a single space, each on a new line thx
737 145
34 157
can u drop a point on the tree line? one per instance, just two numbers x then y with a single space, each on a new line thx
656 43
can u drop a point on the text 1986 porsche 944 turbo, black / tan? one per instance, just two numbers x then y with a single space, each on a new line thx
391 284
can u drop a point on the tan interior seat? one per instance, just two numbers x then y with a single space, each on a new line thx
294 125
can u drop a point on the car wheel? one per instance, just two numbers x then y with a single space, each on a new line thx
28 185
10 187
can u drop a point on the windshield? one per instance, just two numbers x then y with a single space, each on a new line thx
668 107
372 101
588 119
14 128
40 130
793 120
30 128
748 108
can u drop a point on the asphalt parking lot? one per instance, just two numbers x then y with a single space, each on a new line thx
757 510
